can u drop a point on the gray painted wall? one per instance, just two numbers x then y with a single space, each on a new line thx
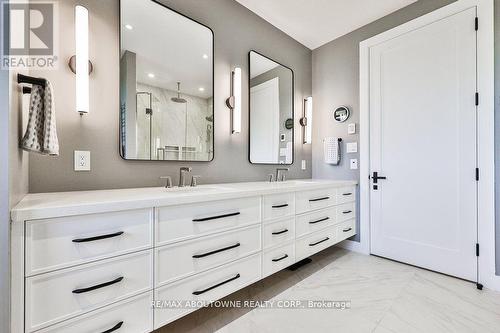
336 82
237 31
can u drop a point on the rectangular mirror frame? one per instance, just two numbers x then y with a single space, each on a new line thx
249 108
120 130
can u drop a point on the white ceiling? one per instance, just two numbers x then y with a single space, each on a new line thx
317 22
168 45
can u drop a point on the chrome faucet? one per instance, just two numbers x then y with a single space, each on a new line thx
279 173
182 176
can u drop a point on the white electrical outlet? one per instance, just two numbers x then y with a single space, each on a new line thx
354 163
351 128
303 164
82 160
352 147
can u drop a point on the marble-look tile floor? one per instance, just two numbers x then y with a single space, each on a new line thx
385 296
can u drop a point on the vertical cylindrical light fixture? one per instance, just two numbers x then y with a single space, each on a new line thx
82 58
237 100
306 121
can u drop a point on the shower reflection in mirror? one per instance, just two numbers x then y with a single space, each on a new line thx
166 88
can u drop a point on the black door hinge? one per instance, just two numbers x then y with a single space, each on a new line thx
477 174
476 23
477 249
477 99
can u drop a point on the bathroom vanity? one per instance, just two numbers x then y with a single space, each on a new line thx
94 261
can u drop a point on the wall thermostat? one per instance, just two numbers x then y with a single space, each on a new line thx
341 114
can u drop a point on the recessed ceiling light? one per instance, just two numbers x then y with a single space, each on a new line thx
205 56
129 27
151 75
201 89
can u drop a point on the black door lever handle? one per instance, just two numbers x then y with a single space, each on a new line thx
376 177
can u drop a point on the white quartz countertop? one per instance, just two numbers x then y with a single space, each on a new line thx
57 204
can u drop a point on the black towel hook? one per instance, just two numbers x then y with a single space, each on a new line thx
31 80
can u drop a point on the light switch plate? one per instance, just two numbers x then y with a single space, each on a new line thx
354 163
303 164
82 160
351 128
352 147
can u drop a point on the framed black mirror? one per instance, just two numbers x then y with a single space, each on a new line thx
271 90
166 84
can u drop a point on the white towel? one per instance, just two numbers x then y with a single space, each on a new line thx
41 133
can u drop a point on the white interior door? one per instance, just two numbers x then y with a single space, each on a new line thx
264 127
423 139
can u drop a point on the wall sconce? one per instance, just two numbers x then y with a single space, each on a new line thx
79 63
306 120
234 101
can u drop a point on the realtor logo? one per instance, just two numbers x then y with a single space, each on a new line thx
29 34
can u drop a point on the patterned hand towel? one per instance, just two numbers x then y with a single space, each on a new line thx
41 133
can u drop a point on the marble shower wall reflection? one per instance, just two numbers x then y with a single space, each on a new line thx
167 130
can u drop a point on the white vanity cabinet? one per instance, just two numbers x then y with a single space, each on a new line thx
93 264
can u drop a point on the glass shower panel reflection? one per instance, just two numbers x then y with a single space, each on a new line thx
173 128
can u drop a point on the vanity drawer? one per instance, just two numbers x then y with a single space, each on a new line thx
347 229
276 259
311 200
278 205
346 212
186 258
183 222
134 315
346 194
208 286
278 232
311 222
67 241
315 242
60 295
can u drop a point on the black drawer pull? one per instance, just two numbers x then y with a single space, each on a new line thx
347 230
348 193
319 199
280 232
280 206
216 217
319 242
281 258
347 211
114 328
97 286
216 251
96 238
199 292
320 220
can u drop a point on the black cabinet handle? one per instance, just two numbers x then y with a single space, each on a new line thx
216 217
347 230
320 220
280 206
347 211
199 292
216 251
114 328
319 242
97 286
96 238
281 258
319 199
280 232
348 193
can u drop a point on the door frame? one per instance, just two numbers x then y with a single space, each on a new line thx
486 131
